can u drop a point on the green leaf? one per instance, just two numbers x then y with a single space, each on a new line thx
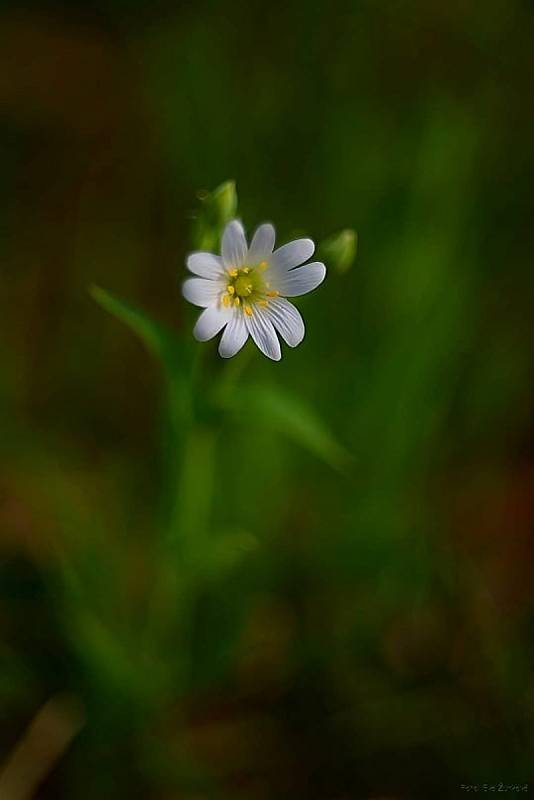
289 415
159 340
339 251
115 661
174 355
227 551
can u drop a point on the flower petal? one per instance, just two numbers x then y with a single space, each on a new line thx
287 320
302 280
235 335
206 265
201 292
210 322
263 333
292 254
262 243
234 245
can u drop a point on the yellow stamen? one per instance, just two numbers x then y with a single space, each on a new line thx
231 289
246 270
263 303
226 300
274 293
233 273
263 265
237 301
248 311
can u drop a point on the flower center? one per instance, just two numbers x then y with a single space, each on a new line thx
246 287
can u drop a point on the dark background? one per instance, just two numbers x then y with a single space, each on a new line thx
368 631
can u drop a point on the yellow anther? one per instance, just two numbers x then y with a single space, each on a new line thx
263 265
246 270
237 301
233 273
226 300
249 288
274 293
263 303
248 311
231 289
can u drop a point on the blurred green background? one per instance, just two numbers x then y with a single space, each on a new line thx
310 579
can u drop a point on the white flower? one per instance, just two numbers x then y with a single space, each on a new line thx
244 290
